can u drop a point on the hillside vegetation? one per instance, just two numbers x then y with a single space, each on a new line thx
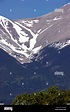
52 96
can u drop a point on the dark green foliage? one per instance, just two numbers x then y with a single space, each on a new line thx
21 100
53 96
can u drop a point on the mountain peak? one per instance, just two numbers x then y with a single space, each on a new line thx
66 4
3 18
24 38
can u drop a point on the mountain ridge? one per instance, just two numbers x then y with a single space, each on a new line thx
23 38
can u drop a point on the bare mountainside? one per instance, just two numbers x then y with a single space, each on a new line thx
24 38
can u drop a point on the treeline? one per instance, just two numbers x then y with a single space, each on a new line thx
52 96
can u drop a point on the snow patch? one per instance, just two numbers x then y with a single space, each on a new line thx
59 10
66 4
23 39
56 18
49 20
30 23
35 50
46 29
14 48
60 44
33 40
36 21
39 31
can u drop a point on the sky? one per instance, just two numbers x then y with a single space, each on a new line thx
20 9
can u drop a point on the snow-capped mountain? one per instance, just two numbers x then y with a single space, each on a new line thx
18 40
34 53
23 38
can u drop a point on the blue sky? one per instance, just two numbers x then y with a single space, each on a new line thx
17 9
